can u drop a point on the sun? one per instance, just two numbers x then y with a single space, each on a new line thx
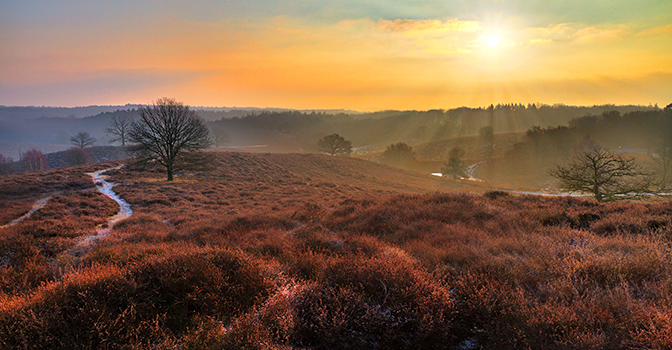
491 40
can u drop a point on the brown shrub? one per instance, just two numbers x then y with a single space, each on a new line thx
142 228
22 266
379 303
151 302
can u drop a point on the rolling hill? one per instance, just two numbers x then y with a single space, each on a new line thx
304 251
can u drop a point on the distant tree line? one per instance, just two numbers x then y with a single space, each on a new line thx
382 128
650 131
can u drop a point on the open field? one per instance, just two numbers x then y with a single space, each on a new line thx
302 251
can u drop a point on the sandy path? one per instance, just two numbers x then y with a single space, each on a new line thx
471 170
39 204
103 230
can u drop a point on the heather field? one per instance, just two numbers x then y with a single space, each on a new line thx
303 251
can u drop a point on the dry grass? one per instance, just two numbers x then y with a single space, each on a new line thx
304 251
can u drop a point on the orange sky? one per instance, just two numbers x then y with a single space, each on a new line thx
396 55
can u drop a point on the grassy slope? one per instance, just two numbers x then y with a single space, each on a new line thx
259 183
309 251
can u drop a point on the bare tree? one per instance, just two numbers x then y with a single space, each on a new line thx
605 175
34 159
171 135
119 129
219 136
82 139
334 144
663 148
663 160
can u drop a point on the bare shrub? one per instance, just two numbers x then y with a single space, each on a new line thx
34 159
77 156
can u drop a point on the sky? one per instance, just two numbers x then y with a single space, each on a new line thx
350 54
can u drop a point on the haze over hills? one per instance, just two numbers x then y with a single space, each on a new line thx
35 112
288 130
526 139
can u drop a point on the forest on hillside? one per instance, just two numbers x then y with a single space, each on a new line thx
382 128
526 142
377 129
644 135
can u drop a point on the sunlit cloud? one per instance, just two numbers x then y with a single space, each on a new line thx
577 33
660 30
540 41
429 26
557 32
590 34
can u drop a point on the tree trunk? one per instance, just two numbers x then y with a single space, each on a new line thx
597 194
169 172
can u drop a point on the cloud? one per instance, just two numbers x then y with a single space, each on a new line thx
540 41
428 26
576 33
660 30
434 37
591 34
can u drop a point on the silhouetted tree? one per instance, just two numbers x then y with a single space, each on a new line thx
34 159
77 156
219 136
455 167
398 154
663 160
663 147
82 139
5 164
119 128
535 135
171 135
605 175
487 134
334 144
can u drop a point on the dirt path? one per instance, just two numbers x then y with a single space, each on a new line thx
103 230
471 170
39 204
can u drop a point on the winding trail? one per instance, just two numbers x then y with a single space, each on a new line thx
545 194
39 204
471 170
103 230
